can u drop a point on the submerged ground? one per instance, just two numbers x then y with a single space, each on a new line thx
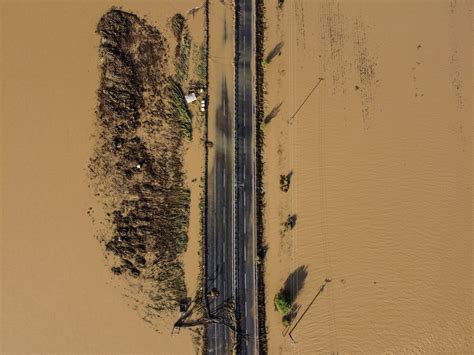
378 208
368 175
58 292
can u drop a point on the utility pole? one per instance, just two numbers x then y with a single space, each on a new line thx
321 289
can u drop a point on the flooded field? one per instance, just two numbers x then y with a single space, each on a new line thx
369 112
58 294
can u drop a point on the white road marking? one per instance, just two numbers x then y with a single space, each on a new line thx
245 279
215 219
244 67
245 254
223 221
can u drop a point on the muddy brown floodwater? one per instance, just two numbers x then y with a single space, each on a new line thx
57 292
380 159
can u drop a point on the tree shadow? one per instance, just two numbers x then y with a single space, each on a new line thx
290 317
274 52
290 222
295 283
262 251
268 118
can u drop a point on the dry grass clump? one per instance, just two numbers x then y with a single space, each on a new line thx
285 181
180 108
183 48
201 67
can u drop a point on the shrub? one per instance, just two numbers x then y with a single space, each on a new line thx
283 302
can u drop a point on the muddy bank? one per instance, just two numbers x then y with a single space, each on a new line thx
137 167
149 165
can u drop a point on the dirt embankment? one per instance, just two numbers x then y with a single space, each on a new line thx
137 167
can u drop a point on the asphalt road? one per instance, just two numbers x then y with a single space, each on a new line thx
231 243
245 232
220 263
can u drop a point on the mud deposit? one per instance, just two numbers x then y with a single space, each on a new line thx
137 167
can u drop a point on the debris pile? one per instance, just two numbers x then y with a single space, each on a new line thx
137 168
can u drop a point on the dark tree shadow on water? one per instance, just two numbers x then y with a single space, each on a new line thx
262 251
274 52
268 118
290 317
290 222
292 287
295 282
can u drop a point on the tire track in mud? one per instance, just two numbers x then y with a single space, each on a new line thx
344 51
333 38
456 79
366 65
299 15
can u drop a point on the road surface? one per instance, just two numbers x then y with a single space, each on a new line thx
220 249
245 232
231 234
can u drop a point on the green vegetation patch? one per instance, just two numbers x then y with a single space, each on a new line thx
179 108
200 53
283 302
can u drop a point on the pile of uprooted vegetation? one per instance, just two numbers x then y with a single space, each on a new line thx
137 168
